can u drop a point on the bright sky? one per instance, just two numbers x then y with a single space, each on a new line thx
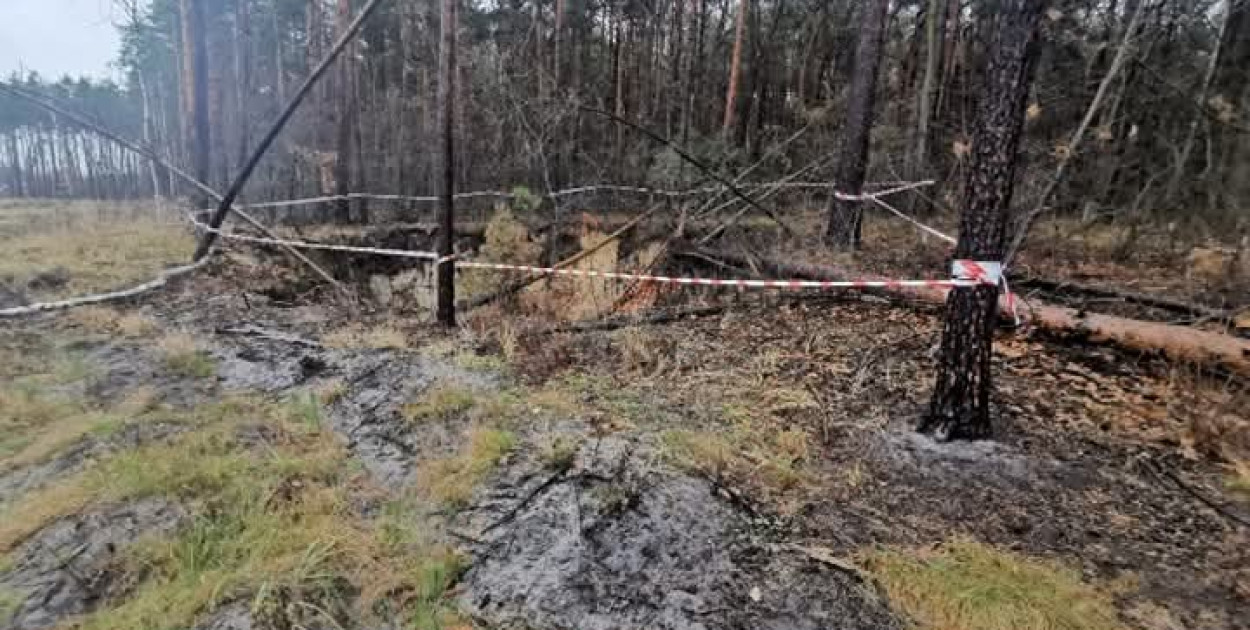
56 37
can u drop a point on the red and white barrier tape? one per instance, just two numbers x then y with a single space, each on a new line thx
381 251
965 273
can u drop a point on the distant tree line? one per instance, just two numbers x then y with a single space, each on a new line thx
734 80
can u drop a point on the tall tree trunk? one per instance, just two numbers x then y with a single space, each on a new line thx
735 69
19 188
153 169
619 91
935 34
343 166
279 56
558 45
1213 63
243 74
960 406
446 272
695 76
843 229
195 90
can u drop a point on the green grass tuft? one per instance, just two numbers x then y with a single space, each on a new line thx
443 402
966 585
452 480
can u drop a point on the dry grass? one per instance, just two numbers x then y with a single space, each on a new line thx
559 452
451 480
773 464
183 355
70 249
273 526
575 298
53 437
103 320
441 402
381 337
331 391
507 240
965 585
42 411
1238 481
747 450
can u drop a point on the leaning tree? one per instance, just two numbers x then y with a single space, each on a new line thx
959 408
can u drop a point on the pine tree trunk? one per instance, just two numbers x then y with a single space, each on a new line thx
346 120
243 74
960 406
735 69
195 89
935 34
843 229
447 167
19 188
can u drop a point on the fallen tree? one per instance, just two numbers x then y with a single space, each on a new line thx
1178 343
1130 297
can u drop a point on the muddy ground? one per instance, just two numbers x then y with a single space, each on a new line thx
1109 461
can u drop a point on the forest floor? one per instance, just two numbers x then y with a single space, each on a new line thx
231 452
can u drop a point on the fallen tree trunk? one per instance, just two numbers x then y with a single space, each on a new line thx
1178 343
1153 301
161 280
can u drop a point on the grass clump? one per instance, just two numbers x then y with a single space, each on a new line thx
442 402
183 356
43 411
451 480
475 362
9 604
746 453
304 409
374 338
103 320
560 452
1238 481
965 585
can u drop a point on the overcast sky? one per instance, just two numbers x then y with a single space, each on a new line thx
56 37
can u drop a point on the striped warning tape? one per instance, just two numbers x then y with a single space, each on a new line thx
965 273
974 274
380 251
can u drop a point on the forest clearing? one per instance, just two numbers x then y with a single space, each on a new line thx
631 315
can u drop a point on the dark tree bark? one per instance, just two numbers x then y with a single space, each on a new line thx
343 166
959 408
447 167
843 229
